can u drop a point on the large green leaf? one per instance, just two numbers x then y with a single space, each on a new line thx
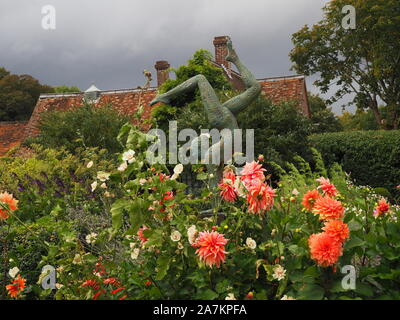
136 209
117 212
163 266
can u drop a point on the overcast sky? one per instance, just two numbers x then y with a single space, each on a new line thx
110 42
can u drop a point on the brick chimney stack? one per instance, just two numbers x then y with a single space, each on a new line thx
162 72
221 51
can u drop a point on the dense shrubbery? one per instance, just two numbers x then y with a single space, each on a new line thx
56 198
370 157
280 131
141 237
84 126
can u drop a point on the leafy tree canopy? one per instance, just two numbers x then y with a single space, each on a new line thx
364 61
322 117
18 95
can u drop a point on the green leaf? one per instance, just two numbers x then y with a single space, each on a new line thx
354 242
201 176
312 272
311 292
207 295
155 238
296 250
117 211
337 287
364 289
136 210
163 266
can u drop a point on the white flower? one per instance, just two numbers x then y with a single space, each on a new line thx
251 243
191 233
123 166
59 285
129 237
135 253
90 164
178 169
279 272
295 192
77 259
103 176
176 236
285 297
273 232
239 187
91 238
107 194
103 186
94 186
129 156
142 181
230 296
174 176
132 245
13 272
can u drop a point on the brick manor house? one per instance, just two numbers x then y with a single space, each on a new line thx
127 101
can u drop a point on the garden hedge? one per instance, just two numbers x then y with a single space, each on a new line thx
370 157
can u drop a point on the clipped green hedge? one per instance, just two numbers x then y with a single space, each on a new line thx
371 157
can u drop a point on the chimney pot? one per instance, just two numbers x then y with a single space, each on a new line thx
221 51
162 71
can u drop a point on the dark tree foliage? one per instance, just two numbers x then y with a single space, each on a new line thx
18 95
182 107
322 117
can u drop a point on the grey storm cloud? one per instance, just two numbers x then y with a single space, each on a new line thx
110 42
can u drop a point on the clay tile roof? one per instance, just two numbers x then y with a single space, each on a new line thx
126 101
11 135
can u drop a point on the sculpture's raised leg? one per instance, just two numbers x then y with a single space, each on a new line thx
216 114
241 101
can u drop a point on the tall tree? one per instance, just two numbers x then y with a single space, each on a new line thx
18 95
322 117
364 61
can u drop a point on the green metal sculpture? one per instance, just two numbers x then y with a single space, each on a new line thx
220 116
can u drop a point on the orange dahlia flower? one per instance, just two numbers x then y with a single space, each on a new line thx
381 208
309 199
112 281
337 229
327 187
260 198
252 174
328 208
324 249
7 199
16 287
228 190
211 248
91 284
